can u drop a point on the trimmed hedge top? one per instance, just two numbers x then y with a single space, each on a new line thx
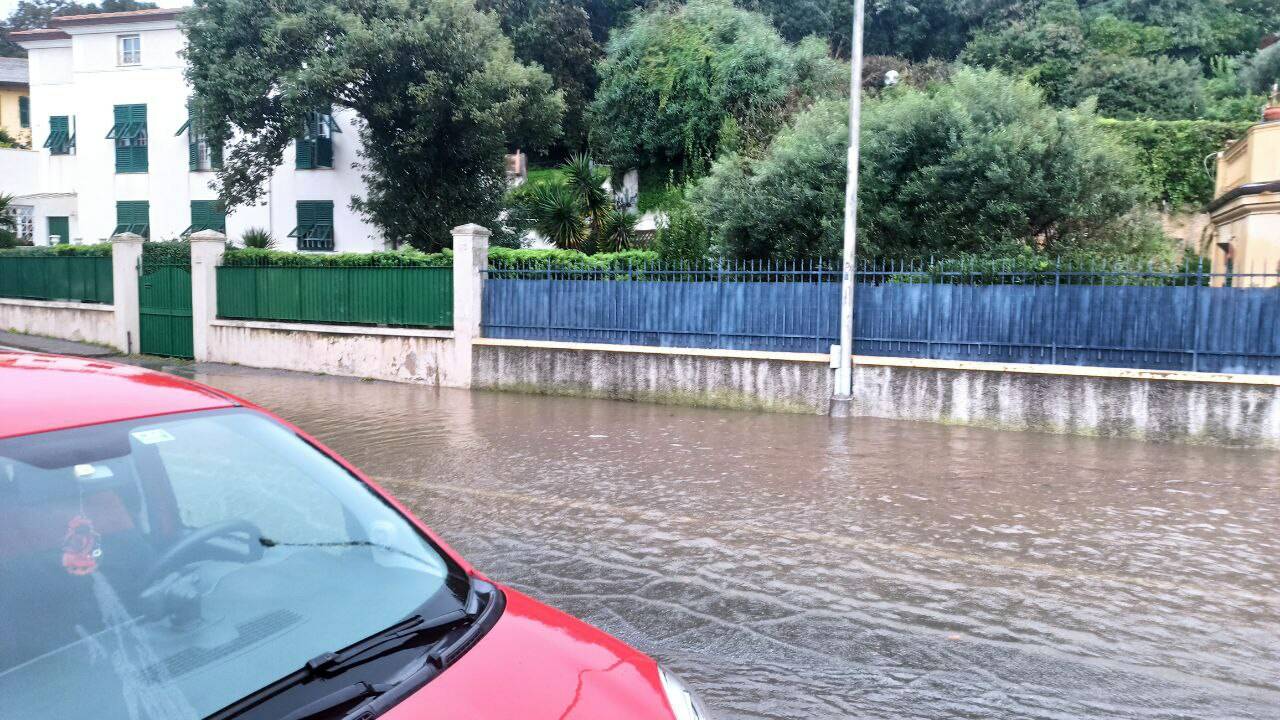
98 250
504 258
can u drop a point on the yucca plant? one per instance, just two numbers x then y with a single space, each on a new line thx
556 214
617 231
258 238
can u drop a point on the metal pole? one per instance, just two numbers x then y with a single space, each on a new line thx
844 370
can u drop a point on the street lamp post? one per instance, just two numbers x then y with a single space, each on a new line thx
844 367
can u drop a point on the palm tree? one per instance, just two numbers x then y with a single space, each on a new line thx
586 182
556 214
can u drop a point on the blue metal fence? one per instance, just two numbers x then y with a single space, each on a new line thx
1162 320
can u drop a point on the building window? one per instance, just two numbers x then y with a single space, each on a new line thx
130 135
315 225
61 140
207 215
59 230
24 220
314 147
133 216
202 153
24 111
130 49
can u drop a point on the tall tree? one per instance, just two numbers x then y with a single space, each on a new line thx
557 35
436 86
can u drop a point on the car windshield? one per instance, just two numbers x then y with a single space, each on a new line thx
164 568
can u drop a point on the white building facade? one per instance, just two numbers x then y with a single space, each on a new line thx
117 150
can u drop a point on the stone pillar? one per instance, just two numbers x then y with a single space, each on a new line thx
470 259
207 247
126 264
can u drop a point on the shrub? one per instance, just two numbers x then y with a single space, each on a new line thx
685 238
258 238
1171 154
974 164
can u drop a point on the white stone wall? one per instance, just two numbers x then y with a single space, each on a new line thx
82 322
80 78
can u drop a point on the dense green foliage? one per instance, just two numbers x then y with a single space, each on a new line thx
435 84
33 14
169 252
1172 155
1140 58
977 165
407 257
1262 71
680 81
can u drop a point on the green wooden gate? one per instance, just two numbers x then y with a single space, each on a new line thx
164 306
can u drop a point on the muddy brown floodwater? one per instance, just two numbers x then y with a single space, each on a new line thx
803 567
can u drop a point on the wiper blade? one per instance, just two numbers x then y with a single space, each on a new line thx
336 699
376 646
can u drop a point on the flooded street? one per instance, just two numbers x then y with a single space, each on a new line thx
803 567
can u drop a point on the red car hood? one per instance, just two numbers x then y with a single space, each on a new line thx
537 663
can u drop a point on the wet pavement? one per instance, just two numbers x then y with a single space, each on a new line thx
803 567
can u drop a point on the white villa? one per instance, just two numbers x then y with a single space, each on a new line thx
114 149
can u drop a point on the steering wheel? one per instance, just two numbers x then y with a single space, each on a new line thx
181 553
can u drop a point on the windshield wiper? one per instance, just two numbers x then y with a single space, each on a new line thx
330 664
337 699
364 651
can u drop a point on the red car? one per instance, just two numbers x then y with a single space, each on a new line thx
169 551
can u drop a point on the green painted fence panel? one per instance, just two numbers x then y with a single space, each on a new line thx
164 305
76 278
399 296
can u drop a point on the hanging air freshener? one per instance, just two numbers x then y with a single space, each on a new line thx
80 548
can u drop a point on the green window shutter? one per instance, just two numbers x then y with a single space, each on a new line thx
193 153
208 215
60 226
130 135
24 111
133 216
60 140
324 212
306 154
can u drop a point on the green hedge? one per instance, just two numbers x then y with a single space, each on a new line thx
503 258
1172 154
98 250
280 258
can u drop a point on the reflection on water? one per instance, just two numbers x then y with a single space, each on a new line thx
803 567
